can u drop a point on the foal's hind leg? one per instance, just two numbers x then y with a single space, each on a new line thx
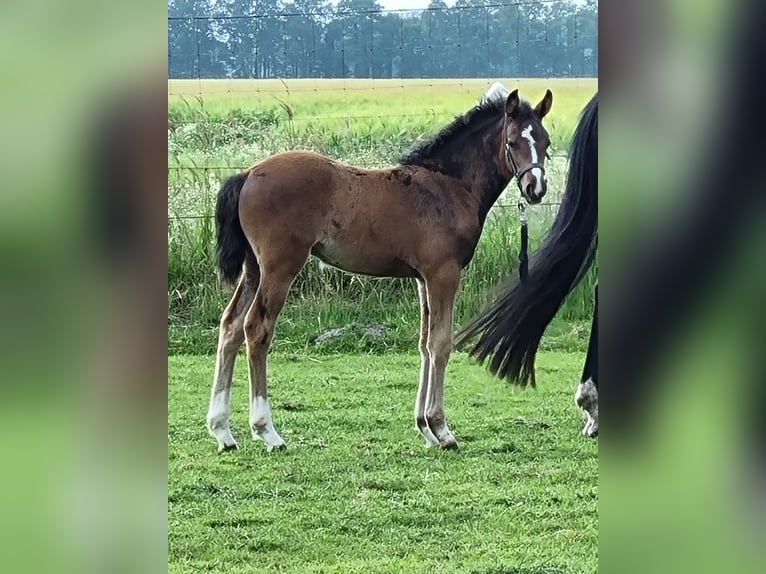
230 338
425 367
442 289
260 324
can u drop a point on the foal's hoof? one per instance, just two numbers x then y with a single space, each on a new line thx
227 447
450 444
276 447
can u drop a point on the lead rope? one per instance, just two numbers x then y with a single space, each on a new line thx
524 263
522 205
524 246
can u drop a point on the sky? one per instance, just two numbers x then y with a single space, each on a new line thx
404 4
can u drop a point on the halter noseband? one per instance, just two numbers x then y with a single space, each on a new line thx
518 174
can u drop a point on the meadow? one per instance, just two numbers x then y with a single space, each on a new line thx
357 491
217 127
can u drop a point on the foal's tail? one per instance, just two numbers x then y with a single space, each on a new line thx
232 243
510 329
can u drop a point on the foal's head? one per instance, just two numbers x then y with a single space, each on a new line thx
526 144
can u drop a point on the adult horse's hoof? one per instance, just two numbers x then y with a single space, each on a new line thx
591 429
227 447
276 447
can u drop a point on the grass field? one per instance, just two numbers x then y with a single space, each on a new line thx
357 492
216 127
369 122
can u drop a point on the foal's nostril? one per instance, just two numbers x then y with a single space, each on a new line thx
530 189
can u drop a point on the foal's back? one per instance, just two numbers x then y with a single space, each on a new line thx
386 222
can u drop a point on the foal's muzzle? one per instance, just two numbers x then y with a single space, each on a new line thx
533 188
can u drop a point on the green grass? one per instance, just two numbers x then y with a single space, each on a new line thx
217 126
357 492
369 122
325 299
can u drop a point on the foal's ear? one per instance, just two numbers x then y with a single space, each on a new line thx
545 104
512 104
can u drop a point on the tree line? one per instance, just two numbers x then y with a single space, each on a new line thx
359 39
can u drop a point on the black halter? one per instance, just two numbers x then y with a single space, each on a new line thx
517 173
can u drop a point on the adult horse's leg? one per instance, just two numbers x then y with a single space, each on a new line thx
442 289
231 335
260 322
425 367
586 396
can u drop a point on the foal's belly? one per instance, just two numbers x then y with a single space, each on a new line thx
353 260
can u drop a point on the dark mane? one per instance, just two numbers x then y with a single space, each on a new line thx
429 152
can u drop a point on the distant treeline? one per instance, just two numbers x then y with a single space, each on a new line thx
359 39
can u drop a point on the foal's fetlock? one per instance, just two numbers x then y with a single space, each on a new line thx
421 425
218 427
446 440
263 429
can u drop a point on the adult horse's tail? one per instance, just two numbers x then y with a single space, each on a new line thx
511 328
232 244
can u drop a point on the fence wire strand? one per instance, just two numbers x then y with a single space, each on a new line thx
448 44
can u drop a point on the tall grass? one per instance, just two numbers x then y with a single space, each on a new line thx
210 137
324 298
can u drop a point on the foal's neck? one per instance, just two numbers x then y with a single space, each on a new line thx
484 174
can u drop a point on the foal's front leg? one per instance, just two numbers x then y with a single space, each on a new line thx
425 368
441 288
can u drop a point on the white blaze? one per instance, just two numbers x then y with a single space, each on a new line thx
262 425
527 135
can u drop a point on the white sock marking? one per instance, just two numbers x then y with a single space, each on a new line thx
218 419
262 425
431 440
527 135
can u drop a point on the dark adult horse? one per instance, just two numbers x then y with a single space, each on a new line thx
510 329
420 219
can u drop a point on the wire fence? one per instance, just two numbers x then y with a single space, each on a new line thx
385 74
551 38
